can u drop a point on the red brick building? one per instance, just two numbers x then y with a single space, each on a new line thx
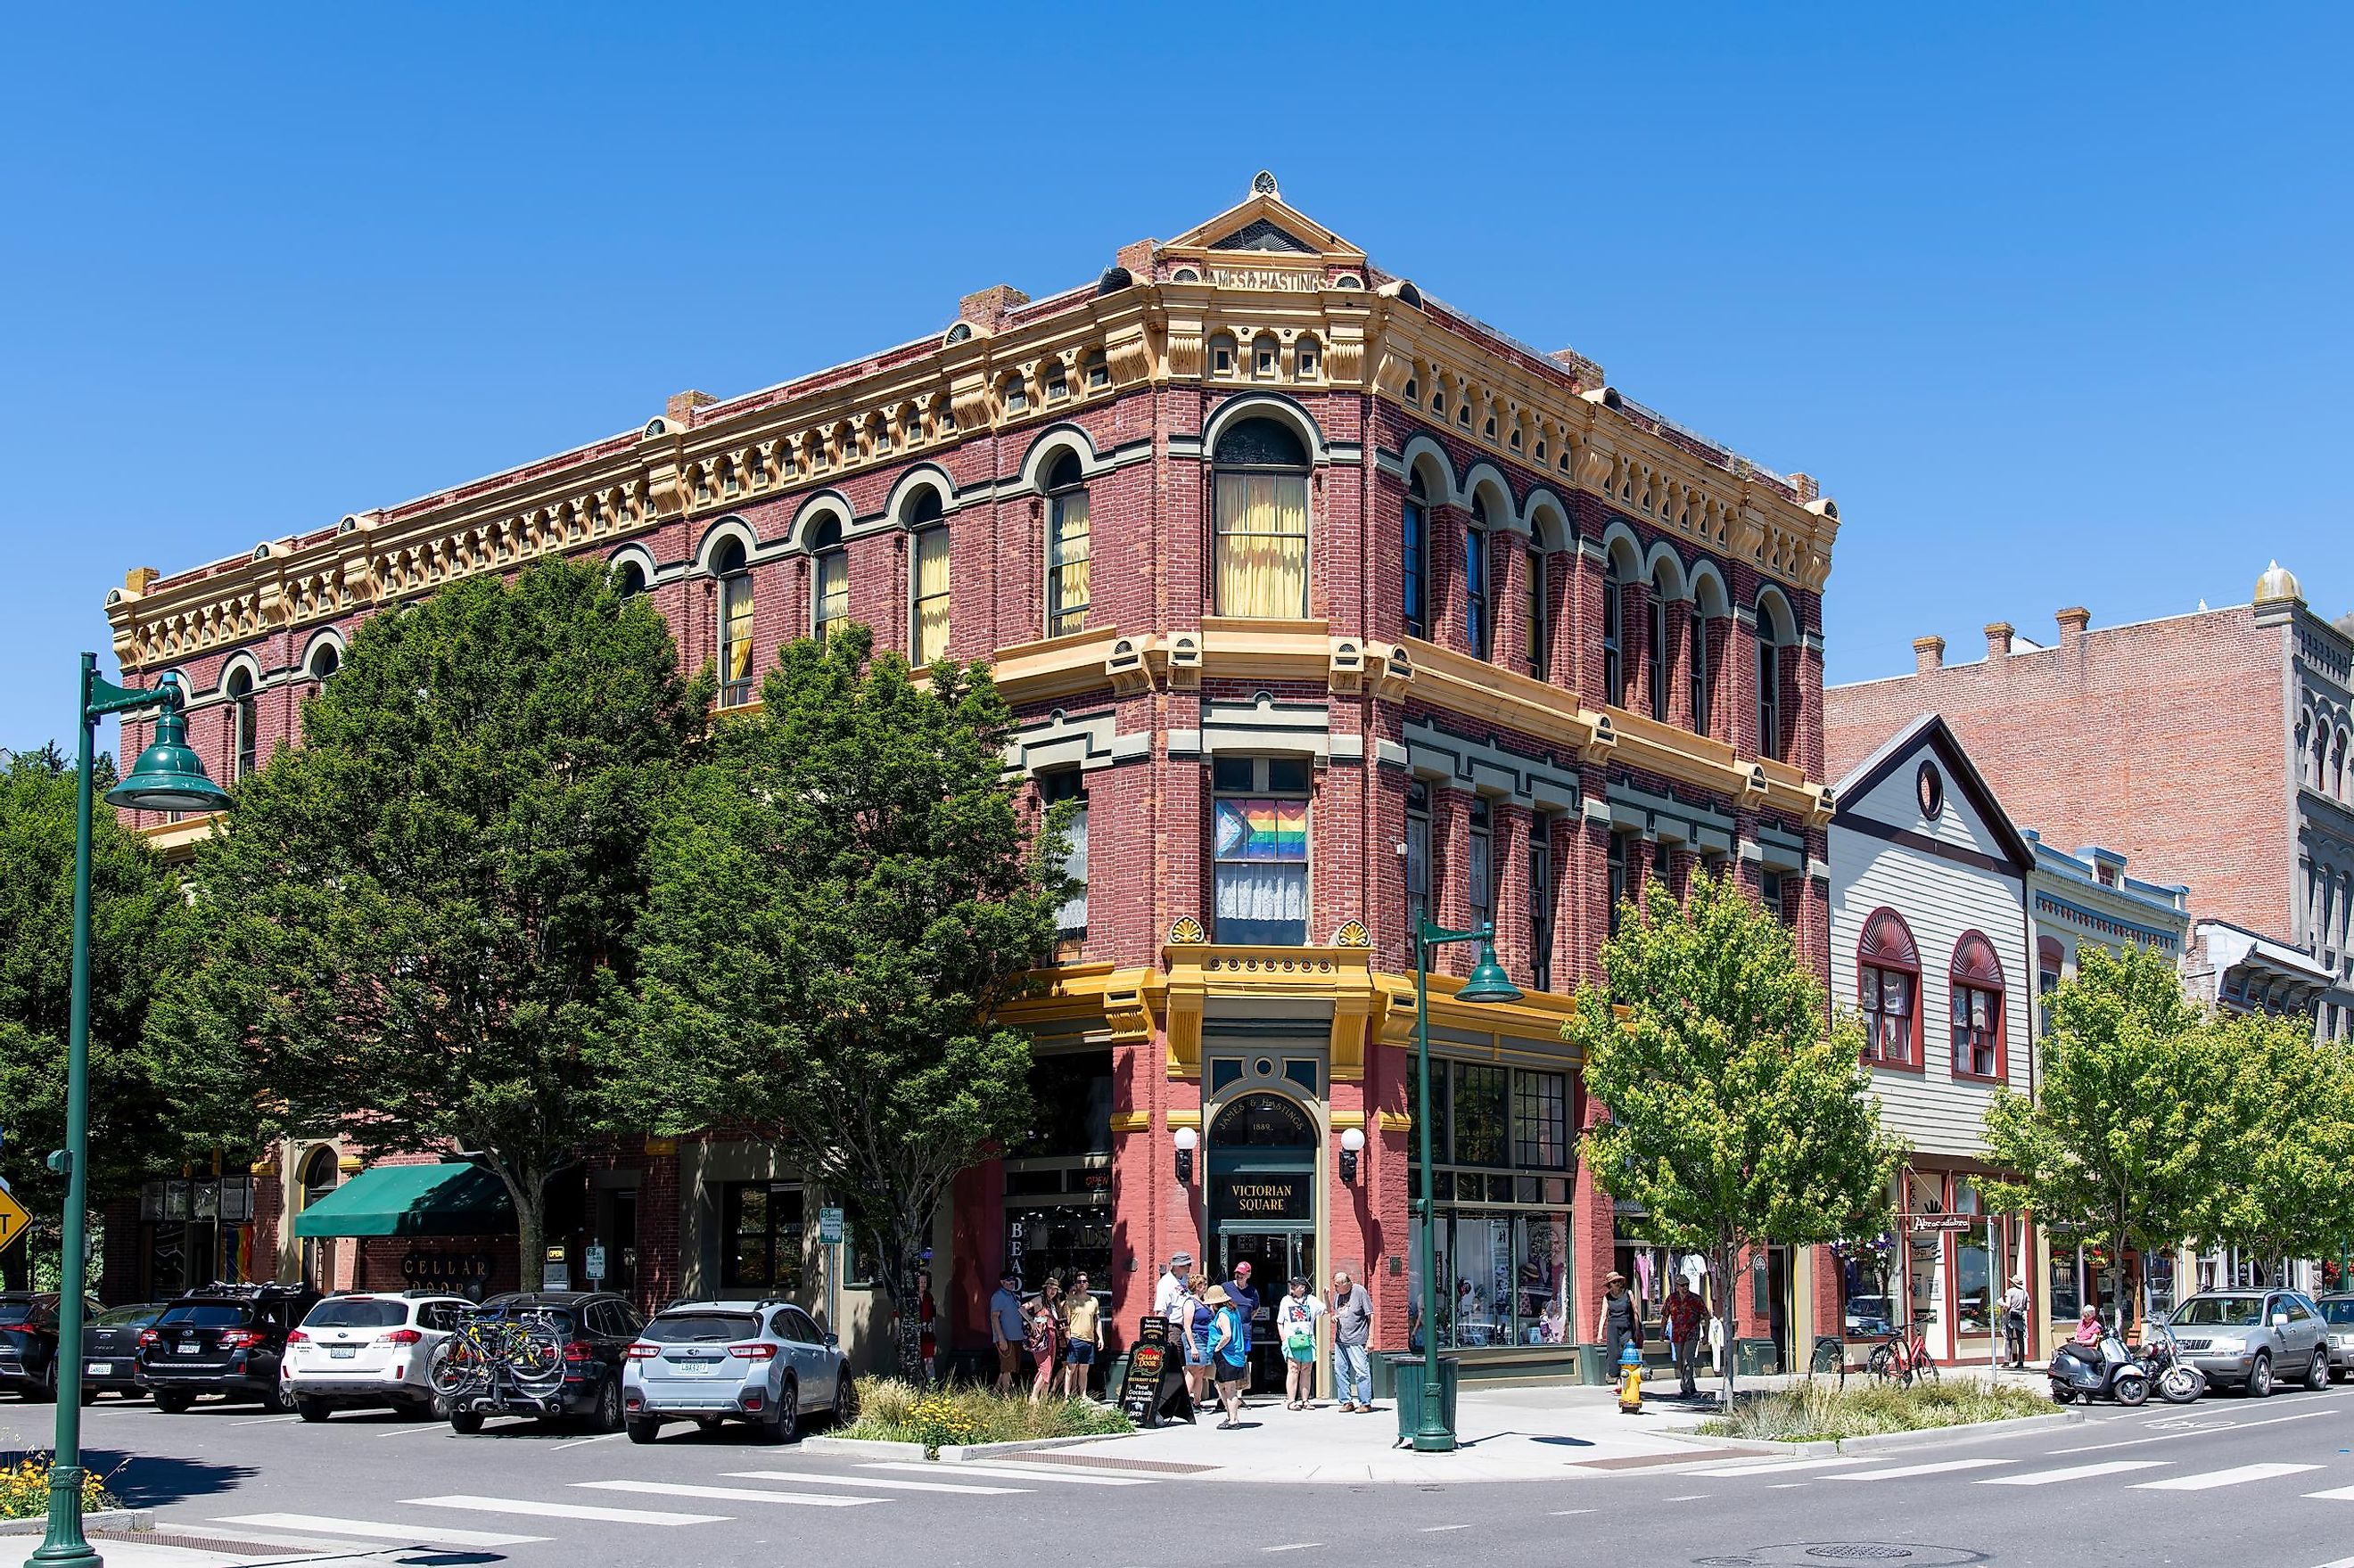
2215 748
1392 612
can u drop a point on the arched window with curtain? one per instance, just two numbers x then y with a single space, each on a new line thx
1614 635
1067 547
1261 521
1977 990
927 615
1660 674
733 567
1539 639
1413 542
1479 623
829 579
1888 992
244 725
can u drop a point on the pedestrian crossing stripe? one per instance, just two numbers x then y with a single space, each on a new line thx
2072 1473
532 1508
727 1494
379 1529
1941 1466
881 1483
2231 1478
1005 1473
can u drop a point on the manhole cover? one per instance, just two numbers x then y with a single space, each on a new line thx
1806 1554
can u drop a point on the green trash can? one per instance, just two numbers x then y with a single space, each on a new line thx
1756 1358
1593 1369
1406 1373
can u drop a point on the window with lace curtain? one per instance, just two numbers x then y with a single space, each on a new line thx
1071 921
1067 547
1261 510
928 616
1259 849
734 571
830 580
1888 992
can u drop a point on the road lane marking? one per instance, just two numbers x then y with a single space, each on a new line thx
1442 1529
377 1530
2072 1473
2213 1479
1785 1485
2337 1494
1767 1466
2194 1432
1937 1468
1294 1546
878 1482
1689 1497
1565 1512
266 1421
562 1510
725 1494
1002 1473
584 1442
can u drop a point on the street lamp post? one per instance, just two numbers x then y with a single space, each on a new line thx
1488 982
168 777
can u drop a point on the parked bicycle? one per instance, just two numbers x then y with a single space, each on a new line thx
1903 1359
1830 1358
486 1352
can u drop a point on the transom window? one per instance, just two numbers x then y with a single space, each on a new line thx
1497 1118
1977 1009
1888 992
733 568
1259 849
1262 521
1067 547
830 598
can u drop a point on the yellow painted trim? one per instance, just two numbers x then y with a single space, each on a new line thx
1393 1121
1130 1120
1342 1120
1178 1118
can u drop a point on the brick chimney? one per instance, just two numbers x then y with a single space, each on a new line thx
990 306
680 409
1807 487
139 578
1137 257
1998 639
2073 621
1928 653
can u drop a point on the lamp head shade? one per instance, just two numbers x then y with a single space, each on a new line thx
169 776
1487 981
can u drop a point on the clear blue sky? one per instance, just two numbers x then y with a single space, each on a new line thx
2053 298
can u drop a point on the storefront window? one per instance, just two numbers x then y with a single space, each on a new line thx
1975 1291
1504 1279
1058 1239
1476 1134
1866 1310
761 1228
1503 1222
1059 1187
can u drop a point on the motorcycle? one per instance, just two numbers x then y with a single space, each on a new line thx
2081 1374
2175 1380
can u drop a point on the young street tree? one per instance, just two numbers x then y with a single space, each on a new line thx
840 895
2128 1140
414 927
130 900
1740 1115
2290 1114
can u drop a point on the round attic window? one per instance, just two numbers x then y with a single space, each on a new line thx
1929 788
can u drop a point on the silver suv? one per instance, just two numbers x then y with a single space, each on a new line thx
759 1361
2248 1338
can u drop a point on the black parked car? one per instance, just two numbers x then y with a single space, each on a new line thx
110 1349
28 1343
586 1335
227 1339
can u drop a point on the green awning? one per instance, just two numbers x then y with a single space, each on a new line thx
413 1200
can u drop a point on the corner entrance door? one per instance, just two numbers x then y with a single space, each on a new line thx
1274 1257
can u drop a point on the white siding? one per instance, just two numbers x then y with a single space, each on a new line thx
1893 801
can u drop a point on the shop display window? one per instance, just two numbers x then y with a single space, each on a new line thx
762 1226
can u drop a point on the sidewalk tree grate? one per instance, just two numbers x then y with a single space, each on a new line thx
239 1545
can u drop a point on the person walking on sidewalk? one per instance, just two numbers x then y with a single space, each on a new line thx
1046 1338
2014 1320
1246 1303
1083 1323
1229 1353
1295 1328
1008 1327
1682 1319
1620 1324
1195 1315
1352 1337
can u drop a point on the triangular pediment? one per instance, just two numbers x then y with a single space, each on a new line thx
1265 234
1265 225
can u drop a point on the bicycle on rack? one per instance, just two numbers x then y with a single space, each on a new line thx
1903 1359
490 1354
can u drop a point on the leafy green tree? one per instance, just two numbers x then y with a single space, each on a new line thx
2129 1137
2290 1110
1739 1114
415 928
131 898
841 894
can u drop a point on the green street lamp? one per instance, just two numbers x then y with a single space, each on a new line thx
168 777
1488 982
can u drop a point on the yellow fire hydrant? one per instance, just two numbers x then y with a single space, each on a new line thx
1630 1381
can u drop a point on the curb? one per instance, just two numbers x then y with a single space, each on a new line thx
1885 1442
138 1520
951 1454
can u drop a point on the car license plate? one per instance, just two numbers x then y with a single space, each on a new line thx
99 1368
190 1350
342 1353
696 1369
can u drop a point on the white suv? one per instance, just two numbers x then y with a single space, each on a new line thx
360 1348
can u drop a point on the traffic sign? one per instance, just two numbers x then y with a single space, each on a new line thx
13 1221
829 1226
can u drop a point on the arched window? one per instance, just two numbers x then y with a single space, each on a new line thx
1261 514
318 1177
1978 1009
928 617
1067 547
829 579
1614 635
1414 540
326 660
1479 629
1888 992
1539 637
1704 675
734 571
244 725
1774 637
629 578
1659 675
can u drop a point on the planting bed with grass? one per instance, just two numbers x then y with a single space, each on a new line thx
894 1412
1822 1412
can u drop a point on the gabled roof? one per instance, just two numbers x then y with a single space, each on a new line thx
1930 732
1264 223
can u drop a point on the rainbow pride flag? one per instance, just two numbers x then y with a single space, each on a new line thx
1262 830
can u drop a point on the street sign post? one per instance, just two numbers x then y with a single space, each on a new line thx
829 1235
12 1220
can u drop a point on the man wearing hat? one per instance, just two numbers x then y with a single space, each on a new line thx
1007 1327
2014 1320
1172 1283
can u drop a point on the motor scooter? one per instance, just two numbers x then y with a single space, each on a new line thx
2083 1373
2177 1381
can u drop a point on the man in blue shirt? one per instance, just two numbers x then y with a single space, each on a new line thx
1245 1307
1006 1329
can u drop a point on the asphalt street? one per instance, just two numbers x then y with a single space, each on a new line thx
2245 1483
